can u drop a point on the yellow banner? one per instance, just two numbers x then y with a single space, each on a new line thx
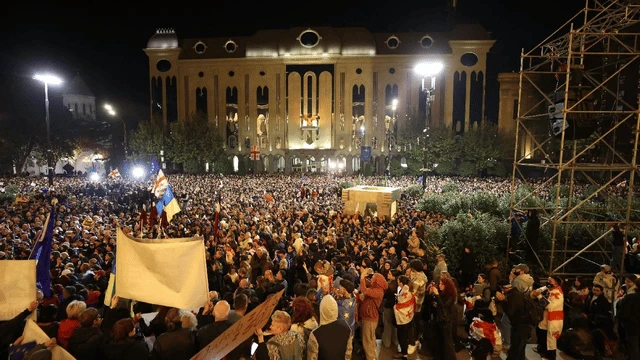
17 287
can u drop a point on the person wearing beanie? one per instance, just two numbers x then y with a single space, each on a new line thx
609 283
332 339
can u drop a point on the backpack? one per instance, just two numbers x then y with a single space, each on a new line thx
533 311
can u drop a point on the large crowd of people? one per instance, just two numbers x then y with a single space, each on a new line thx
349 281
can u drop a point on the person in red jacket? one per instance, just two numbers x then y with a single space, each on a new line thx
371 294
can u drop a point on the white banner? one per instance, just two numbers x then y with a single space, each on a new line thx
170 272
33 332
17 287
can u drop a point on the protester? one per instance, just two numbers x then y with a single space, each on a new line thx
211 331
125 342
177 343
550 328
332 340
255 246
87 341
284 344
514 308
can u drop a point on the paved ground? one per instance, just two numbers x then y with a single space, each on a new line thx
386 354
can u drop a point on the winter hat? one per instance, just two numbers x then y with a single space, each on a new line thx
328 310
606 267
347 285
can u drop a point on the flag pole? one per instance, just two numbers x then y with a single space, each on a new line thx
54 201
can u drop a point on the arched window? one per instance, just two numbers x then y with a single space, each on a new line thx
201 101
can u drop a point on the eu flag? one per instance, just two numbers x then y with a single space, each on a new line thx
155 167
41 254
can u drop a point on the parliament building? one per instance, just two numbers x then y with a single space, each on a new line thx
319 99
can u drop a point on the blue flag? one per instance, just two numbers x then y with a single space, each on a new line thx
154 166
168 203
17 352
41 254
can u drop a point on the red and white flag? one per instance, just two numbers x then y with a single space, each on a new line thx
161 184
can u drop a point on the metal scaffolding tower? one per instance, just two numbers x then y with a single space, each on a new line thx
577 137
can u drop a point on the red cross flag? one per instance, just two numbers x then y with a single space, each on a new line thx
255 153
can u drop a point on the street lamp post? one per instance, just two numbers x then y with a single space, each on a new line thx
425 70
53 80
394 107
111 111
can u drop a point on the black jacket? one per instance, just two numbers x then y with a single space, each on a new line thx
51 329
86 343
10 331
629 315
130 349
332 340
435 311
111 316
513 306
599 306
178 344
210 332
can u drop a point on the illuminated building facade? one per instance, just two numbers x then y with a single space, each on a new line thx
309 99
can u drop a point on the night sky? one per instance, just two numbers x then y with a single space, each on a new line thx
104 41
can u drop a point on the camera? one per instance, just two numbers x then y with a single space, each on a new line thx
543 298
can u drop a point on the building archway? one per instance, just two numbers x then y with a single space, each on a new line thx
280 164
355 164
296 164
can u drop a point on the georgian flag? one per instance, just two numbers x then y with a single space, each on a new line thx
405 307
161 185
485 330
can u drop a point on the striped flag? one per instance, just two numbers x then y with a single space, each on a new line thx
168 204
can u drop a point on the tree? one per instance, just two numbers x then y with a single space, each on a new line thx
484 150
17 140
195 142
147 140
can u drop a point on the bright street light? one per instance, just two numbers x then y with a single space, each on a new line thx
137 172
394 104
110 109
53 80
48 79
429 68
112 112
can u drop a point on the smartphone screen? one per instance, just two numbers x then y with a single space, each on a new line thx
254 347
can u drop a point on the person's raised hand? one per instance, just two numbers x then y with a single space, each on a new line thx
50 343
18 341
32 306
